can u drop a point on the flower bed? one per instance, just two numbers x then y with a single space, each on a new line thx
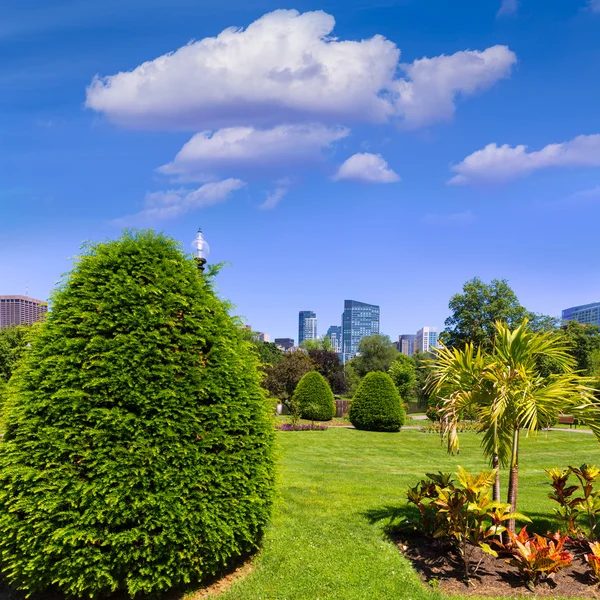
300 427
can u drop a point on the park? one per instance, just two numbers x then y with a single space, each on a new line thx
142 455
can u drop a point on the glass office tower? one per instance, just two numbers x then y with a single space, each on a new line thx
358 321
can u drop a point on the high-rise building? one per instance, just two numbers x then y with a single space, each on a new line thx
21 310
588 314
358 321
284 343
425 339
307 326
262 337
334 333
406 343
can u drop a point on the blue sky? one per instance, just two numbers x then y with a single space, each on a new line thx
379 151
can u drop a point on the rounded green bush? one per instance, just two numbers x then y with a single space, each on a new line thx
376 405
137 453
314 397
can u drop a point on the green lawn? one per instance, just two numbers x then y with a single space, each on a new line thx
323 542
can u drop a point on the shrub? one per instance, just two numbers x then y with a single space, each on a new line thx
538 558
593 559
314 398
137 454
571 506
463 514
376 405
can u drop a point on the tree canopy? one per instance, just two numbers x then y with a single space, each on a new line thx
375 353
328 364
283 377
268 352
403 374
480 305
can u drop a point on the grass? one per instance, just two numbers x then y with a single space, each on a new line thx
337 490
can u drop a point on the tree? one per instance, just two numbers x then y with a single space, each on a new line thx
375 353
403 374
352 379
137 454
423 367
323 343
507 390
283 377
376 406
585 345
13 341
475 311
268 353
328 364
314 397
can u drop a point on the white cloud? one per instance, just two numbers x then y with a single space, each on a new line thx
509 7
502 163
430 93
366 167
273 198
594 6
169 204
237 148
460 218
285 68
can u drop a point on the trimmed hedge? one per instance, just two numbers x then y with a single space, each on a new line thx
376 406
314 397
137 454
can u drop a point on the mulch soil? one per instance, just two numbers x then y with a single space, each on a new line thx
440 566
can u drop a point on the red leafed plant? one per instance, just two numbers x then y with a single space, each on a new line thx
593 559
538 558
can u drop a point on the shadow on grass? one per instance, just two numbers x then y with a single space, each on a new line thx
394 518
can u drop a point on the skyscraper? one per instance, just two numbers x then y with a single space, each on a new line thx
284 343
307 326
21 310
425 339
587 314
406 343
334 333
358 321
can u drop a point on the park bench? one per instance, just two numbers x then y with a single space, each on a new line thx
567 420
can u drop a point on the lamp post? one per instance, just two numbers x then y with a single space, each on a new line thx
201 249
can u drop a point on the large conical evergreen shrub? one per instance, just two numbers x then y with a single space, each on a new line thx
137 453
314 397
376 405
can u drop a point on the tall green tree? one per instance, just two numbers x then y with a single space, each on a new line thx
585 345
403 372
268 353
283 377
422 362
474 312
322 343
375 353
137 453
328 364
507 391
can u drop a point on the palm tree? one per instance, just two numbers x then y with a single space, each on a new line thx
508 393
